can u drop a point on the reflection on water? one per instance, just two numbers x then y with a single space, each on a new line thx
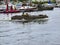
37 32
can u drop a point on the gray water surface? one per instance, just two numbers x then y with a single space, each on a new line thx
43 32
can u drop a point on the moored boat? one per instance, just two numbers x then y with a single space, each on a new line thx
9 11
8 8
27 8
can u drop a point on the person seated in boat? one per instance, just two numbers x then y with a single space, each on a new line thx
25 14
14 7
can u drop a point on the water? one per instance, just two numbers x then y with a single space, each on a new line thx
41 32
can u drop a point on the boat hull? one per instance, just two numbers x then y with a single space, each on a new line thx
28 17
9 11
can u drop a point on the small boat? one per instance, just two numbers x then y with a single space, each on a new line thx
45 7
9 11
27 8
49 4
28 17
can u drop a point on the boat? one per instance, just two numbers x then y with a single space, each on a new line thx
41 8
27 8
46 6
28 17
49 4
11 10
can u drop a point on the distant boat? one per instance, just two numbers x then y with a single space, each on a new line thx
27 8
49 4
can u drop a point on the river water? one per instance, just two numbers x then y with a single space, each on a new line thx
41 32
